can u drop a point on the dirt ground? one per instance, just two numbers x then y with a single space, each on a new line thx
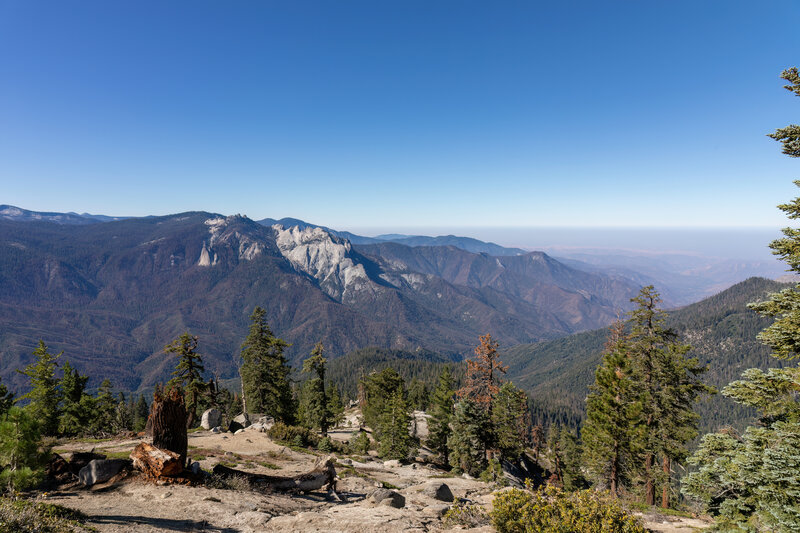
133 505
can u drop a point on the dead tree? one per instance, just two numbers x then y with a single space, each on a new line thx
323 475
168 421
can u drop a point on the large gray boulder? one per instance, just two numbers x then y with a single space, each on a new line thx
388 498
211 418
438 491
100 470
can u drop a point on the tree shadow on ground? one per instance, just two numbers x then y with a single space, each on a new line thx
165 524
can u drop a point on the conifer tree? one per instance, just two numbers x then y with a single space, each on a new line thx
612 432
483 374
77 407
188 373
6 400
467 442
265 372
44 396
441 414
511 425
22 458
105 409
750 482
315 404
335 406
670 384
376 390
393 436
140 413
418 395
123 416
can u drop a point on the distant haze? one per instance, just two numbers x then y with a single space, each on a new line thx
750 244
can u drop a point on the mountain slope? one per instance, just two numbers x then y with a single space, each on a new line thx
721 330
113 294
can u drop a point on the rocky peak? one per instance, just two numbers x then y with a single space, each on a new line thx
227 232
324 257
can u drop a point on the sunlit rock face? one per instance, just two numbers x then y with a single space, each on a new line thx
326 258
224 234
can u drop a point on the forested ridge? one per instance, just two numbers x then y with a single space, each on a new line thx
721 330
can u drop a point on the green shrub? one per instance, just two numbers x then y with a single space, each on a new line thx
295 435
360 444
22 455
551 509
494 473
466 515
325 445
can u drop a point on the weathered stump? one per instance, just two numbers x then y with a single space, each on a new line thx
168 420
154 462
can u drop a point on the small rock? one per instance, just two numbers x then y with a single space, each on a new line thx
346 461
211 499
217 429
388 498
437 509
166 495
394 463
373 453
238 431
195 468
228 454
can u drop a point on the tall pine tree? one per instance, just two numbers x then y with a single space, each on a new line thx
188 373
441 415
612 432
265 372
44 396
751 482
315 400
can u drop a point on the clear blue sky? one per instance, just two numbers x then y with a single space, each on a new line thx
401 114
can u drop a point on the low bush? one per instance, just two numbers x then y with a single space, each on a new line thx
23 515
551 509
466 515
295 435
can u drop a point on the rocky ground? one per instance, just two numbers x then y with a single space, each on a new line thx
377 496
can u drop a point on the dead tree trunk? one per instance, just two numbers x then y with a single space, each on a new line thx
168 417
155 462
322 475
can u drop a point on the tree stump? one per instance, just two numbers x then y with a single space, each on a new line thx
168 417
155 462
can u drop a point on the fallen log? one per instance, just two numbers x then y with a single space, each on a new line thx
155 462
323 474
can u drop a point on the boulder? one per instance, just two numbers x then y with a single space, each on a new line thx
100 470
211 418
393 463
79 460
438 491
388 498
262 424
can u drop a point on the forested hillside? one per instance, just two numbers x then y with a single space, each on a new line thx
721 330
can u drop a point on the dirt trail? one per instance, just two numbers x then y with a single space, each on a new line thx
132 505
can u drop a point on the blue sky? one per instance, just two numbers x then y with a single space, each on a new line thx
401 114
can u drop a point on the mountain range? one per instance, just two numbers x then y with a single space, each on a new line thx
111 294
